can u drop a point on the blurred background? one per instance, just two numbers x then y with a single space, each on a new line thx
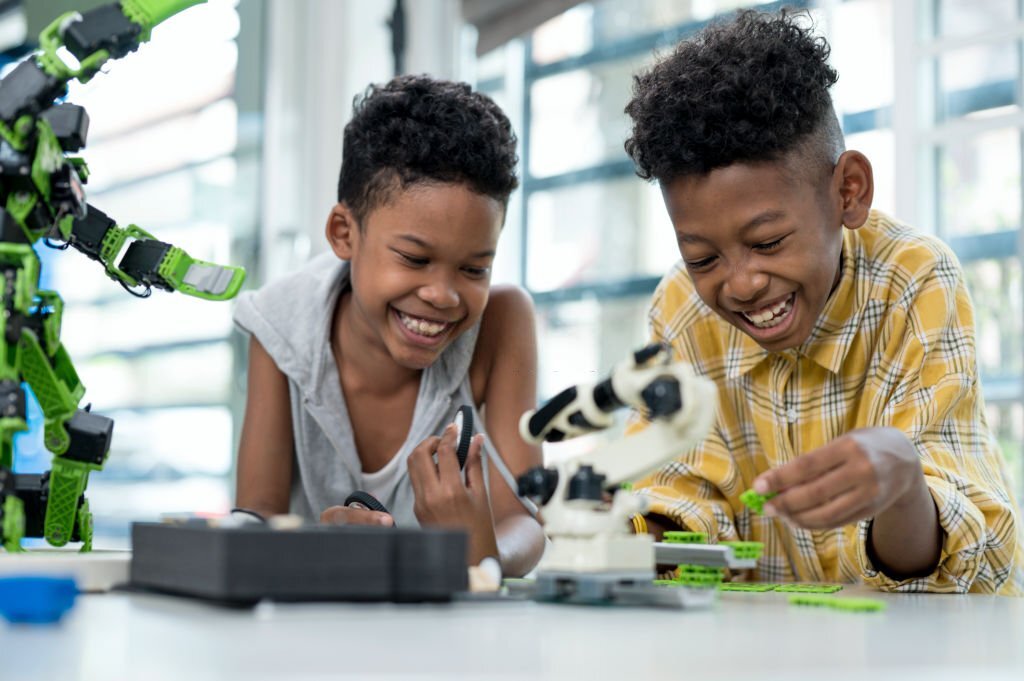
223 136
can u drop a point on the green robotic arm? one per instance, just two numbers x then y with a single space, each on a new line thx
42 197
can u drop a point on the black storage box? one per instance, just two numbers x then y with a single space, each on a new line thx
318 563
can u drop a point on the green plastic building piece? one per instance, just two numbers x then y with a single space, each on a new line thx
745 550
847 604
699 575
809 588
757 587
680 537
755 501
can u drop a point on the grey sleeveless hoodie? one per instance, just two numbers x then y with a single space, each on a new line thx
291 318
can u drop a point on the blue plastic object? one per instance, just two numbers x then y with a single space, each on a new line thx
36 600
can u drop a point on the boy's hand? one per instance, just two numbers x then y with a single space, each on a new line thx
442 500
855 476
347 515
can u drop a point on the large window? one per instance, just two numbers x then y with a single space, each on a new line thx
971 170
166 152
930 90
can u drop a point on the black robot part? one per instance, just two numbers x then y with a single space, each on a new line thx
103 28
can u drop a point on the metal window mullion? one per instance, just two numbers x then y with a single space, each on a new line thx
527 103
942 46
1020 243
906 113
966 128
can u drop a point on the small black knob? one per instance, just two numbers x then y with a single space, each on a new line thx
538 484
662 397
586 484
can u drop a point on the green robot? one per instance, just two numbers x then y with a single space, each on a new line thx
41 197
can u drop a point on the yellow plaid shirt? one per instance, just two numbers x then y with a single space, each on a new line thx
894 347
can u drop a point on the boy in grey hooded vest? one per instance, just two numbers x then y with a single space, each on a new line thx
359 361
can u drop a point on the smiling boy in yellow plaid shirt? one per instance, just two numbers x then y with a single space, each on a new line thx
841 342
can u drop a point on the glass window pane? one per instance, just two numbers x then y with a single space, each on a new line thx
492 65
165 146
862 52
190 63
995 287
595 24
580 342
965 17
577 118
169 443
116 503
132 324
188 375
978 81
879 147
979 183
1007 423
622 19
567 35
597 231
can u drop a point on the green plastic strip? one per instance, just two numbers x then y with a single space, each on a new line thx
679 537
745 550
756 587
809 588
847 604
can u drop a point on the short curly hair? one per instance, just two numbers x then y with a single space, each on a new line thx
417 129
754 89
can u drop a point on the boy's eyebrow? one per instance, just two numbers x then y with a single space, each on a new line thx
423 244
767 216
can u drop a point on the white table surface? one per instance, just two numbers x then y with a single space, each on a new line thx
750 636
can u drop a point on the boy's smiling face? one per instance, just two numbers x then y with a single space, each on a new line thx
762 245
420 268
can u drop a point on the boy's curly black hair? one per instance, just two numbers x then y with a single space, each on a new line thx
750 90
418 129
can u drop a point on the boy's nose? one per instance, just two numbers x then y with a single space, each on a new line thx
745 285
440 294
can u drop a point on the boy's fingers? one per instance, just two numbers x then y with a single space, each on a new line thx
334 515
805 467
813 494
447 459
421 462
346 515
843 510
474 464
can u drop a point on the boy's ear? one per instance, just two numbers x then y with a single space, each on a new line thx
342 230
856 187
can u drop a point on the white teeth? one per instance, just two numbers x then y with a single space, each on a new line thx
766 319
422 327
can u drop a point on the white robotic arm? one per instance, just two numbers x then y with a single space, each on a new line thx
589 537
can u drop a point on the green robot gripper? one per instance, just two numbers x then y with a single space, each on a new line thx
755 501
745 550
847 604
680 537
